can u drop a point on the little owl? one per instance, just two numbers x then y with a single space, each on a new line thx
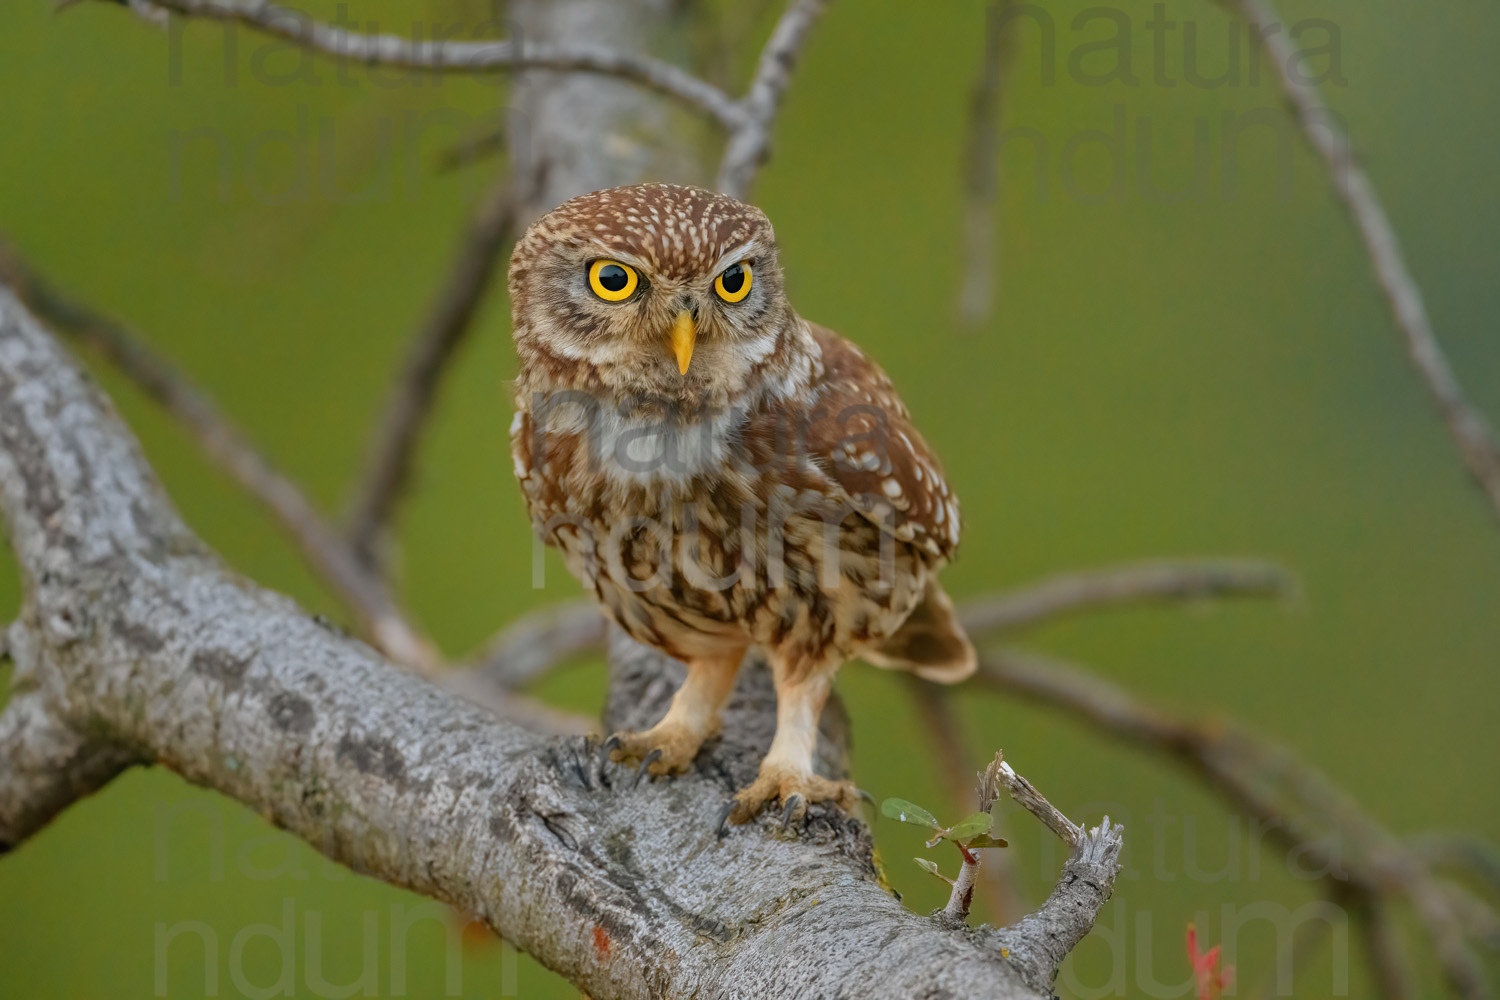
721 473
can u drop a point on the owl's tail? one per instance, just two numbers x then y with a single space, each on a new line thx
930 643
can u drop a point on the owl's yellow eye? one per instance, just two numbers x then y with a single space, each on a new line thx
612 281
734 284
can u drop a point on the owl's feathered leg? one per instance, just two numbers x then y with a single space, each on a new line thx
786 773
693 717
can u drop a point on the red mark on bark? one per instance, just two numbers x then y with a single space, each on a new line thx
601 942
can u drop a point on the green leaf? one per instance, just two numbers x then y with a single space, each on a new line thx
968 827
908 812
931 868
985 840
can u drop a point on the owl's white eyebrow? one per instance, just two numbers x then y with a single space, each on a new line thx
738 254
611 253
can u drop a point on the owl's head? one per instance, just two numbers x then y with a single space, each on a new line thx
654 290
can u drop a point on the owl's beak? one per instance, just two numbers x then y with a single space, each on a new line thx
684 336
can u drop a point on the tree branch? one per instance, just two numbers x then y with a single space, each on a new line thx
1476 441
1299 808
458 56
1001 775
531 646
1123 586
146 641
45 764
749 143
982 164
1041 940
366 594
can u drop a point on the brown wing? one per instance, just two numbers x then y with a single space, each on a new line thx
861 435
931 643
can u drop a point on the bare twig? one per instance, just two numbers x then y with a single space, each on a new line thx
1476 441
748 120
1462 852
1001 775
749 143
1384 949
366 595
402 418
458 56
1299 808
1123 586
981 164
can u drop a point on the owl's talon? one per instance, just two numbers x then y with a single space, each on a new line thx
650 758
606 756
722 826
795 790
864 796
796 808
664 749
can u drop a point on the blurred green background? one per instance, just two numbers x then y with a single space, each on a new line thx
1212 376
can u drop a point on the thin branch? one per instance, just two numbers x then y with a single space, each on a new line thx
1462 852
1299 808
749 143
366 595
1123 586
1001 775
982 164
1476 441
961 897
533 645
402 419
1384 949
458 56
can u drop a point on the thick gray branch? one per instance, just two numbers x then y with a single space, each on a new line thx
45 764
144 642
1041 940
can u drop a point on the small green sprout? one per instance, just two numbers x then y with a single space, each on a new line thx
968 834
